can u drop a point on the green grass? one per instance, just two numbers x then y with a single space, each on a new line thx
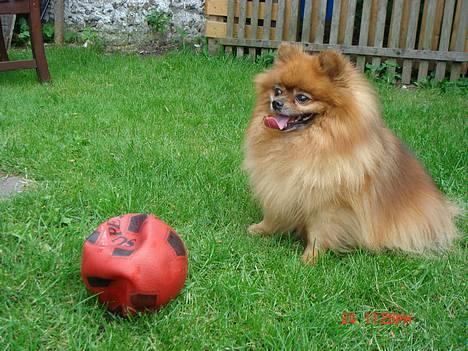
119 133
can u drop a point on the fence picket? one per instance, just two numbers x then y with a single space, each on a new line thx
254 25
394 35
379 33
241 25
321 10
427 39
410 40
230 24
280 20
305 37
350 22
292 33
445 37
267 21
460 39
335 25
364 33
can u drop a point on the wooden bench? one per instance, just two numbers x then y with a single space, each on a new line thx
32 9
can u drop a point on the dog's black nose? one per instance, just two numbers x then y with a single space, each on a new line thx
277 105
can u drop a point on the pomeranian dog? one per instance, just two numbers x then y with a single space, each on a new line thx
322 163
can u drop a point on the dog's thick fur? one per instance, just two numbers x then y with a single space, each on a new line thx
344 180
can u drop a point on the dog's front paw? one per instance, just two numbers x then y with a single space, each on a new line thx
310 255
258 229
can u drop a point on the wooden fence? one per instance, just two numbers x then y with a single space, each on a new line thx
422 36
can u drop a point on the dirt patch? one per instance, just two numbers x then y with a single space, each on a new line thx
11 185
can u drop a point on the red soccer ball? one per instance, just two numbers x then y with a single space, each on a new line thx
135 262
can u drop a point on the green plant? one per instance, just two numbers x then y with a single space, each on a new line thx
22 36
266 58
159 21
48 32
71 37
90 38
386 71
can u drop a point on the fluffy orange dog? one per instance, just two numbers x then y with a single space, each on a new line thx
322 162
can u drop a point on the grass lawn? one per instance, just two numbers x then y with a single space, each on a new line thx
120 133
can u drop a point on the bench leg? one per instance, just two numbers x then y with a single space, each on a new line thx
38 45
3 51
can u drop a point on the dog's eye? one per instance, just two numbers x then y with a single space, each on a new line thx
278 91
301 98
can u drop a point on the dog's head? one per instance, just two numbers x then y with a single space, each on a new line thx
301 87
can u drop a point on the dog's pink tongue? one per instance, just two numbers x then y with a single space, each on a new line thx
276 122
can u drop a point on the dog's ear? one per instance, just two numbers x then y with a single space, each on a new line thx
287 51
332 63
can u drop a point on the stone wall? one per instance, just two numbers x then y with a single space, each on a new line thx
123 22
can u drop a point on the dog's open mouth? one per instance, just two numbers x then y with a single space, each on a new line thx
287 123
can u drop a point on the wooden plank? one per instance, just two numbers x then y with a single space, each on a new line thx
455 56
395 23
456 23
449 9
18 64
241 26
395 30
230 24
267 21
460 40
350 22
373 22
322 10
217 30
220 8
254 25
404 23
305 37
292 31
380 28
335 22
342 26
364 32
410 40
438 17
427 39
280 20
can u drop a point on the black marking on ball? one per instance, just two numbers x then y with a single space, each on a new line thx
93 237
176 243
136 222
98 282
141 301
122 252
